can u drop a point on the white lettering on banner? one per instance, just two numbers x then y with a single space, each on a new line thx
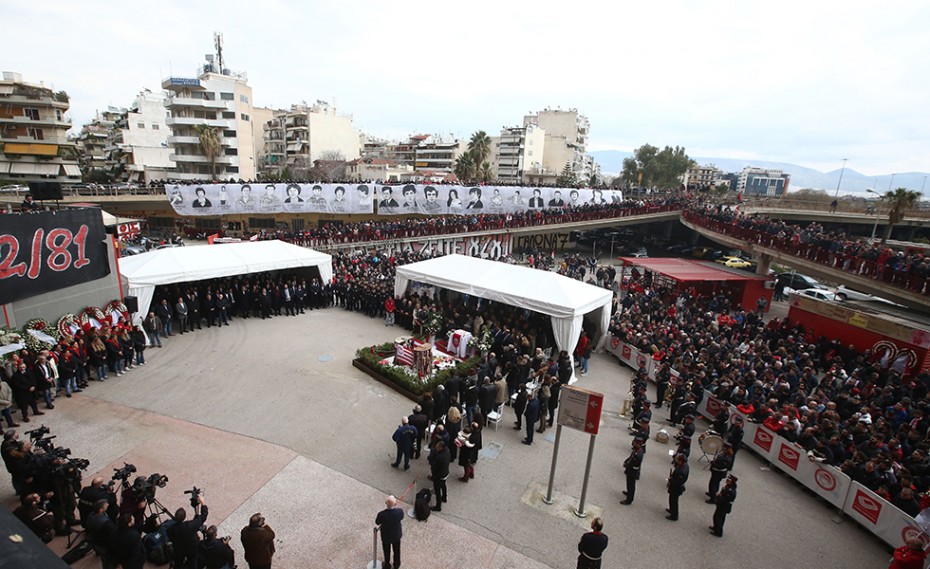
405 199
486 247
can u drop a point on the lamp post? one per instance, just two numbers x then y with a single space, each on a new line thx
840 181
891 182
877 214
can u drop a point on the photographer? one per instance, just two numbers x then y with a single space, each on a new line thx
90 495
132 501
216 553
125 544
258 542
99 529
34 513
184 535
17 457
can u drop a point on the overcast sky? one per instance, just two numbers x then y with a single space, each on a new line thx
804 82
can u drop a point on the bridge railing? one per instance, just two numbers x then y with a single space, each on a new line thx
898 276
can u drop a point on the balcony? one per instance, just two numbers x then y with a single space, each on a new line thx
64 122
196 103
199 159
193 121
183 140
34 101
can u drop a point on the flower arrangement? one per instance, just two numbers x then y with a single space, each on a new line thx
430 321
67 325
91 312
9 336
39 325
115 306
482 341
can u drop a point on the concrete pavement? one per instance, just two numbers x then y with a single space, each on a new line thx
270 416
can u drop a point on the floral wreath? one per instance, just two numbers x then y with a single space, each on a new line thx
9 336
118 307
39 325
68 325
92 312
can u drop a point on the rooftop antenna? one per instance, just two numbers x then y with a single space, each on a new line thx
218 42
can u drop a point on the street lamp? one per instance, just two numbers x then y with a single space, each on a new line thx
891 182
840 181
877 214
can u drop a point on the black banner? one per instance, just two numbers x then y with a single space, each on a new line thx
42 252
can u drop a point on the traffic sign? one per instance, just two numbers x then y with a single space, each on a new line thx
580 409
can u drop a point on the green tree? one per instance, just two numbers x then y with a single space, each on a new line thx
480 148
486 174
899 202
630 173
209 137
651 167
567 178
464 167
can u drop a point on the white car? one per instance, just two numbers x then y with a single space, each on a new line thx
818 293
839 294
14 189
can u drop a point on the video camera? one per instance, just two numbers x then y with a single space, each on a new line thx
71 469
145 487
123 474
195 495
35 434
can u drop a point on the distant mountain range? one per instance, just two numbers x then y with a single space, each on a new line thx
611 162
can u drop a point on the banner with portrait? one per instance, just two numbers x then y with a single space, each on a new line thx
394 199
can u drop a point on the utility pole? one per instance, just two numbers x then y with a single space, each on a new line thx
840 181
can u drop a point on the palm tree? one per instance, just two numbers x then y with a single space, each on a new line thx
464 167
210 144
486 173
899 201
480 148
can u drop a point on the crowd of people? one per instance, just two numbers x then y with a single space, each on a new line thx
864 257
861 412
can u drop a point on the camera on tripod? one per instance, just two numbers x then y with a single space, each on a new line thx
195 493
145 487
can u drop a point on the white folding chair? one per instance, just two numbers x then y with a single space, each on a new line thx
496 416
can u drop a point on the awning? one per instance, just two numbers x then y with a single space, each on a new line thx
47 169
30 148
22 168
4 167
72 170
294 146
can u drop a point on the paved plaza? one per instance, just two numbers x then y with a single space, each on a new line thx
270 416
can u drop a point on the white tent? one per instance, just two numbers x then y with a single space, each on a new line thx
565 300
145 271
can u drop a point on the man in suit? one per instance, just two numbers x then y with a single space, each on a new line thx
724 501
676 484
557 200
631 467
439 461
201 199
387 198
532 415
536 200
389 521
474 199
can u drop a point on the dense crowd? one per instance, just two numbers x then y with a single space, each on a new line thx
862 412
873 259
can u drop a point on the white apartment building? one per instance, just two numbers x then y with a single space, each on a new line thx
432 153
297 137
137 147
34 124
219 98
566 141
517 150
93 139
372 169
702 176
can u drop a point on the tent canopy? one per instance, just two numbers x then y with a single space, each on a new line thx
565 300
145 271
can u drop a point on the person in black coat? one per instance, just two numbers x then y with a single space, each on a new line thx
216 553
592 545
724 501
125 544
487 397
532 416
439 461
24 391
184 536
676 484
631 468
735 438
519 406
389 521
722 421
719 466
418 420
452 387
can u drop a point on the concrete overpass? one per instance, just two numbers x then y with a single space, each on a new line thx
766 255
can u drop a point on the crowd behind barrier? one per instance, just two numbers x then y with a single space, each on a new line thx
850 426
907 270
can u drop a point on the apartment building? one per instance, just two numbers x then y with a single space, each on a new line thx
34 124
92 143
566 139
763 181
431 153
296 138
217 98
516 151
137 148
702 177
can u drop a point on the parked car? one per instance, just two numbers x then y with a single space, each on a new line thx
797 281
733 262
14 189
844 293
818 293
706 253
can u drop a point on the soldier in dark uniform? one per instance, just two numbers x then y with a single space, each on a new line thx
719 467
735 438
631 467
591 547
662 379
722 421
724 501
676 484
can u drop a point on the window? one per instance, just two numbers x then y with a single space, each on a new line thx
261 223
529 153
155 126
243 99
31 113
232 152
244 117
58 114
227 96
229 115
35 133
232 169
229 133
141 125
202 223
